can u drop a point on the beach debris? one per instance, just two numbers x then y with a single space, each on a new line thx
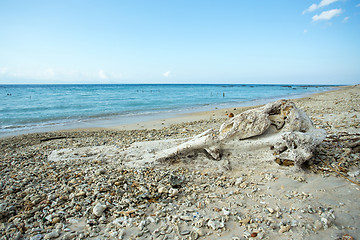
280 125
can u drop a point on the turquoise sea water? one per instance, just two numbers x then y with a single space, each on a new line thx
32 108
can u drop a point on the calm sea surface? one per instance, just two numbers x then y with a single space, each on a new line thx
33 108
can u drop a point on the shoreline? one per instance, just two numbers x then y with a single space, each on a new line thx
219 114
148 120
94 196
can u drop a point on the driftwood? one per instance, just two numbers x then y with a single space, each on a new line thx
277 132
298 136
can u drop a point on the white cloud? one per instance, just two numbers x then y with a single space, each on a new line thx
305 31
323 3
345 19
166 74
358 5
327 15
102 74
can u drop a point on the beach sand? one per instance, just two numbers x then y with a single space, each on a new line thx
93 196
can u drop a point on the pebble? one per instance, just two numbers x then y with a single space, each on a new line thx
104 194
317 225
284 228
173 192
215 224
37 237
53 234
185 232
162 190
99 209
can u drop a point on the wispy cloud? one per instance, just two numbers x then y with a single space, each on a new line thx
315 6
327 15
166 74
345 20
305 31
358 5
102 74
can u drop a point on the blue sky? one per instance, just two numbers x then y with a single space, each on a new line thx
187 41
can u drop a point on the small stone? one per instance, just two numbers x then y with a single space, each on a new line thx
325 222
102 219
51 196
37 237
254 234
173 192
101 171
80 194
55 220
176 181
270 210
245 220
99 209
194 235
215 224
185 232
225 212
238 181
200 231
162 190
284 229
69 236
53 234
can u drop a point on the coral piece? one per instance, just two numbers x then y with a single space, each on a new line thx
294 139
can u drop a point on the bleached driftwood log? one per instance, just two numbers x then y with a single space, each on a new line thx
295 146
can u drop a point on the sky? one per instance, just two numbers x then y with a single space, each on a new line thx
173 41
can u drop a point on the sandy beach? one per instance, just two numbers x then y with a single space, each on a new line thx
93 195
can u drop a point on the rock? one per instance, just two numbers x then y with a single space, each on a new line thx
215 224
101 171
354 173
37 237
194 235
284 228
245 220
270 210
173 192
185 232
53 234
51 196
317 226
253 234
162 190
99 209
176 181
55 220
69 236
238 181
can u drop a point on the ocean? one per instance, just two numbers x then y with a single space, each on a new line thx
36 108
